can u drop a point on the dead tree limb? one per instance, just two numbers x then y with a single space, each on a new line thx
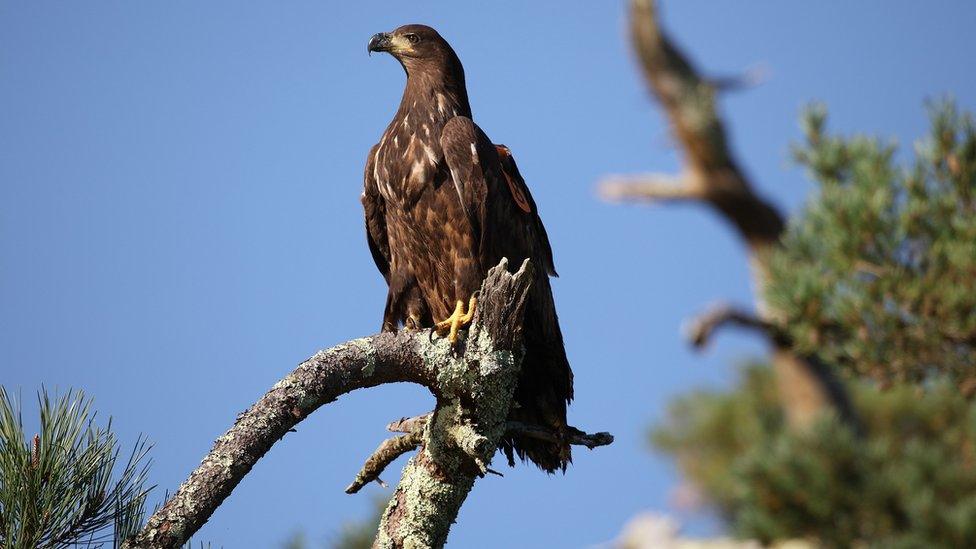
574 435
474 392
413 428
713 177
409 424
388 450
701 329
473 385
813 385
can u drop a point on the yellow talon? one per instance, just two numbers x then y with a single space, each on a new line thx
457 320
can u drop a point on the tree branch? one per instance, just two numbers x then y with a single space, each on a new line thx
409 424
702 327
475 393
388 450
651 187
689 101
712 176
413 427
804 381
357 364
576 437
473 384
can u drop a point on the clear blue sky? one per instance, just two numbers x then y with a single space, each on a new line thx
180 224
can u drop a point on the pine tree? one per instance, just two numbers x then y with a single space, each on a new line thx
877 276
66 486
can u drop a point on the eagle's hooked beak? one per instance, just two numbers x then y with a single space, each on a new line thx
380 41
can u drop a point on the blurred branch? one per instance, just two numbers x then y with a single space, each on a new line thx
651 187
702 327
751 78
712 176
805 382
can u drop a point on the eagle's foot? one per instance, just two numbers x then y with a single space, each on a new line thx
458 319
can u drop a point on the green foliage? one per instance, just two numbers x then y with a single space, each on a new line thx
911 482
878 274
60 488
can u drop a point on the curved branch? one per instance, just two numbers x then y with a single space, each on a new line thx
357 364
473 383
712 176
701 328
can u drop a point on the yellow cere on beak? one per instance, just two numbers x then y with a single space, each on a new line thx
400 44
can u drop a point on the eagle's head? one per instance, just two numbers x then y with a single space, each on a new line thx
415 47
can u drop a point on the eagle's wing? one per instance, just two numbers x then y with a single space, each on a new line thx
523 199
375 209
374 206
495 197
464 146
482 171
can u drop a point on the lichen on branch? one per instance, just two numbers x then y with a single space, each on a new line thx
473 383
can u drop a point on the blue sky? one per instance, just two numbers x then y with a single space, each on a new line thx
180 224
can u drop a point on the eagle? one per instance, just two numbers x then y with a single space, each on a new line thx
443 204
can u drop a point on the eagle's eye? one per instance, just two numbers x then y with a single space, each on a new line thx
413 38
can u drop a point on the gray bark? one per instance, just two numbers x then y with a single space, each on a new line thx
474 396
473 384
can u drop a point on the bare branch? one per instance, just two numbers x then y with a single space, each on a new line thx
700 330
458 446
651 187
575 436
388 450
689 101
409 424
712 176
752 77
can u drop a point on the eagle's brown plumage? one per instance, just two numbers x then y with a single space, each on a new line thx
443 205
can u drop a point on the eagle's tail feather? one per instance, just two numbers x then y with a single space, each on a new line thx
545 387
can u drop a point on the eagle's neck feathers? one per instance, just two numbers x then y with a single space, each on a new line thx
409 156
435 93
